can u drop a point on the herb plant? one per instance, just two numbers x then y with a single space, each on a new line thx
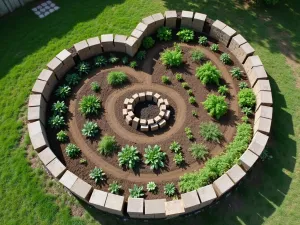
203 40
178 159
97 175
72 79
56 121
59 108
72 151
63 91
215 105
164 34
107 145
185 35
100 61
154 157
136 191
141 55
90 129
116 78
175 147
95 86
148 42
114 188
89 105
225 58
62 136
128 156
165 79
169 189
83 68
208 73
236 73
198 151
197 55
246 98
151 186
210 132
214 47
223 90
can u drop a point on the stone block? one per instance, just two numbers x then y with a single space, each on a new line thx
162 123
83 50
138 35
174 208
114 204
129 108
166 103
198 22
222 185
243 52
95 46
124 113
135 122
156 96
120 43
57 67
130 101
264 98
261 85
132 45
144 128
39 141
162 114
131 114
207 195
49 77
56 168
171 17
216 29
41 87
35 128
128 120
135 207
252 61
159 20
46 156
143 28
190 201
263 125
186 19
248 159
68 179
167 115
149 95
264 112
36 113
157 119
155 208
258 143
81 189
226 35
149 21
37 100
66 57
150 121
236 42
160 102
163 108
126 102
142 96
107 42
236 173
135 98
98 199
154 127
143 122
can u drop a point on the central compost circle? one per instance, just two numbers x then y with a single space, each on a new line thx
146 110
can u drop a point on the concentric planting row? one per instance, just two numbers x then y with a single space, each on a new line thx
140 208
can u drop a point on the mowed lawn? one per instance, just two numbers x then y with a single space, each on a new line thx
270 194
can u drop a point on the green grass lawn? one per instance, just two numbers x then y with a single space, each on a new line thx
269 195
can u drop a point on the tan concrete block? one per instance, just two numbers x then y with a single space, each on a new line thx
107 42
120 43
114 204
166 103
163 108
37 100
154 127
162 123
66 57
171 17
198 22
157 119
94 46
150 121
135 207
162 114
41 87
174 208
126 102
248 159
68 179
186 19
222 185
132 45
156 96
226 34
236 173
257 73
159 20
149 95
160 102
258 143
128 120
143 122
131 114
83 50
264 112
190 201
144 128
252 61
81 189
167 115
143 28
142 96
135 122
207 195
124 113
138 35
263 125
36 113
149 21
155 208
49 77
261 85
264 98
56 66
236 42
129 108
98 199
216 29
46 156
243 52
56 168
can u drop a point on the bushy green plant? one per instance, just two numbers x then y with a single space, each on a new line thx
217 166
245 119
62 136
59 108
83 161
203 40
114 188
185 85
136 191
95 86
192 100
208 73
63 91
175 147
83 68
223 90
148 42
178 158
151 186
243 85
225 58
215 105
128 156
107 145
125 60
100 61
116 78
179 77
154 157
90 129
89 105
210 132
72 79
72 151
236 73
190 92
56 121
172 57
185 35
170 189
246 98
197 55
97 175
165 79
189 133
247 111
198 151
214 47
194 113
113 58
164 34
133 64
141 55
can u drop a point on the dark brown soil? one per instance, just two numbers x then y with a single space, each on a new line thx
146 110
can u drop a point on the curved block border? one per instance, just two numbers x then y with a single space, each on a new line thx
158 208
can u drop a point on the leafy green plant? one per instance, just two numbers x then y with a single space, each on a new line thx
154 157
62 136
245 119
164 34
197 55
214 47
72 151
116 78
236 73
247 111
56 121
128 156
170 189
141 55
203 40
225 58
243 85
208 73
151 186
72 79
133 64
83 68
246 98
148 42
185 35
198 151
90 129
194 113
192 100
215 105
95 86
63 91
165 79
97 175
136 191
190 92
178 159
179 77
223 90
59 108
125 60
189 133
89 105
185 85
83 161
114 188
113 58
172 57
107 145
175 147
100 61
210 132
